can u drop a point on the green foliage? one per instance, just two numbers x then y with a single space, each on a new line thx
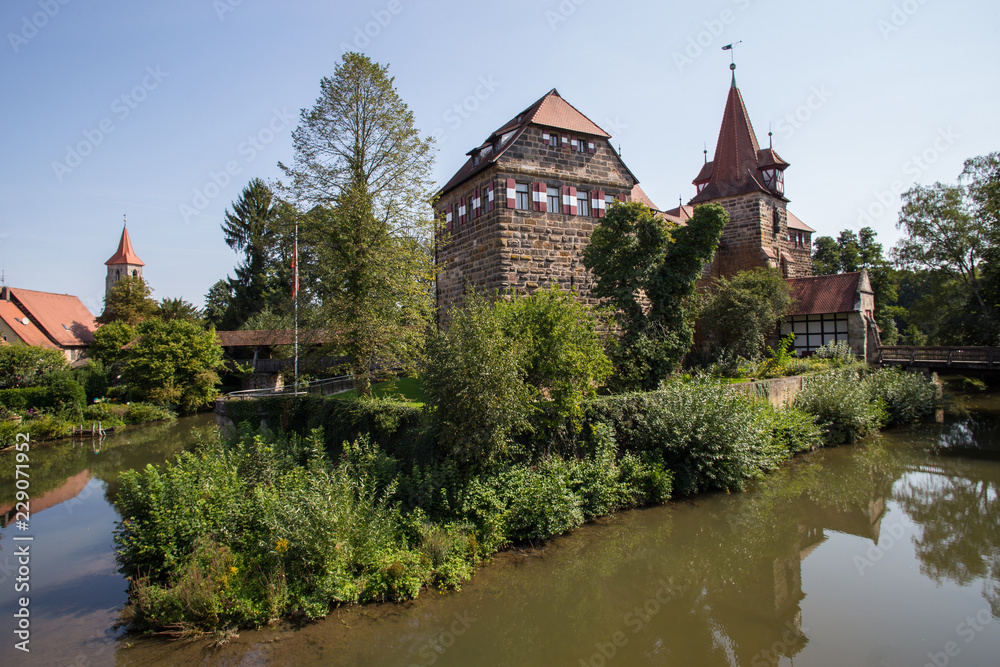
838 352
23 398
633 254
742 312
27 366
778 360
474 380
109 339
842 404
907 396
128 301
109 414
66 397
179 309
142 413
563 359
173 363
363 173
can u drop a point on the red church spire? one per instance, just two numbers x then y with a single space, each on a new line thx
125 253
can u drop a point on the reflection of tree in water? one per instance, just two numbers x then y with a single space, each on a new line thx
959 513
981 435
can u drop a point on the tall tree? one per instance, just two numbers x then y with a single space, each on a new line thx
129 301
949 230
635 256
363 173
743 311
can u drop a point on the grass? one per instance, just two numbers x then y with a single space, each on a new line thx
408 388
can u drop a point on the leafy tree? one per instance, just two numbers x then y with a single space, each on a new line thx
948 230
633 255
743 311
364 175
218 302
474 382
826 256
27 365
173 362
257 227
179 309
563 358
128 301
109 339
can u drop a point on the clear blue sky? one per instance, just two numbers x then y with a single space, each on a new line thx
155 98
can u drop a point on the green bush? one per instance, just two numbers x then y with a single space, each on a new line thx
907 396
141 413
106 413
27 365
66 396
21 399
842 404
839 353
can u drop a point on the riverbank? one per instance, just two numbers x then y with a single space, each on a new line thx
261 527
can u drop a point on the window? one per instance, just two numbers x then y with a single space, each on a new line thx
135 273
582 202
581 146
523 200
813 331
608 200
553 199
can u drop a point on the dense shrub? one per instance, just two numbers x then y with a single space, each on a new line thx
106 413
842 403
838 352
141 413
23 398
66 397
907 396
742 312
27 365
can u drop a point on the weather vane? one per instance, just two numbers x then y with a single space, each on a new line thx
732 57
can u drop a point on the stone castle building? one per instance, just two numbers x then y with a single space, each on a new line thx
520 211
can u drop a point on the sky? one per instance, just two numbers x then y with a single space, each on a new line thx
164 111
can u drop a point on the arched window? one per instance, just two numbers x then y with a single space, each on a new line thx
135 273
118 275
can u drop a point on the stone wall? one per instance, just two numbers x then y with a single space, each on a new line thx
524 250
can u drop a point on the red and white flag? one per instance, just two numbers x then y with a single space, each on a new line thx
295 267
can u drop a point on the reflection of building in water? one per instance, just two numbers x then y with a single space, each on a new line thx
769 597
71 488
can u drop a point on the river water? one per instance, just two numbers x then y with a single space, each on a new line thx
881 554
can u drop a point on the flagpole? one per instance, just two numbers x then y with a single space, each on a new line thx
295 297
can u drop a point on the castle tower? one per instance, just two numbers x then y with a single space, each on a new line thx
749 183
123 263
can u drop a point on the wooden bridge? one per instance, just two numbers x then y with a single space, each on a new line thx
954 359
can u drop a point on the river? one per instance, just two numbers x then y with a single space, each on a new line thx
881 554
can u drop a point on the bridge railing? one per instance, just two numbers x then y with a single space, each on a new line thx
936 356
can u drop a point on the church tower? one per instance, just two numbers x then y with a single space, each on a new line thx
749 183
123 263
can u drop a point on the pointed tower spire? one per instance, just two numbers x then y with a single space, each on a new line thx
123 263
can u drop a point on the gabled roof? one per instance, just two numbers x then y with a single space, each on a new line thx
734 170
125 254
640 196
22 326
838 293
62 317
679 215
551 110
795 223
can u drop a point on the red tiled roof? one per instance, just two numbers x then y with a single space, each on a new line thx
268 338
23 327
125 253
679 214
795 223
734 170
62 317
767 157
825 294
551 110
640 196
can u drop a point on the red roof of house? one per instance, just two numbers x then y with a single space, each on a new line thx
551 110
125 253
734 170
640 196
22 326
827 294
62 317
679 215
795 223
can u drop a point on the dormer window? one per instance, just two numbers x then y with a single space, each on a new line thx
701 186
476 159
